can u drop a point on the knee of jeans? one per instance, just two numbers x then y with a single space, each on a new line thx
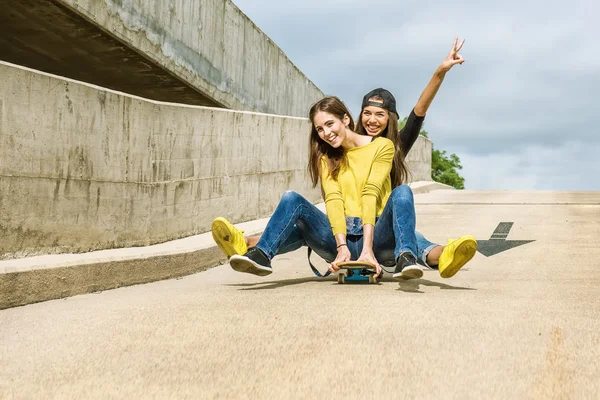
402 193
291 196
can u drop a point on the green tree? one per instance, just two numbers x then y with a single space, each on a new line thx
444 167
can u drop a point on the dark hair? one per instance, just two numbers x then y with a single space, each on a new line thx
317 148
399 173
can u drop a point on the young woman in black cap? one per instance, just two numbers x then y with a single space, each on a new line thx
379 117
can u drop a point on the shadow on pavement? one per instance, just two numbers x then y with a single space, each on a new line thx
414 285
405 286
278 284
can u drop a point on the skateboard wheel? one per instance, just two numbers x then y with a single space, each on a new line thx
341 278
372 279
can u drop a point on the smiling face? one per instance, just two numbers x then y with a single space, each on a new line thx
374 120
330 128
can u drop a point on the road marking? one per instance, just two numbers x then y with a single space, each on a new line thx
497 243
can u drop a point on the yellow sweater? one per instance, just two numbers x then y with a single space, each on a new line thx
363 186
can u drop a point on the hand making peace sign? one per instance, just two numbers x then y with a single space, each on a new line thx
453 57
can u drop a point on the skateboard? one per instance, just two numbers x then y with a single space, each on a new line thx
356 271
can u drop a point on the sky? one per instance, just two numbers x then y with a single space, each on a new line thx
521 113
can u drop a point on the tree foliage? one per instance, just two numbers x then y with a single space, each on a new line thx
444 167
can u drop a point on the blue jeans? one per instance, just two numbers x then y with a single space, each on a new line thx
424 246
296 223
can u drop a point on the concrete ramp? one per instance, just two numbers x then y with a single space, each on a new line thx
200 52
520 323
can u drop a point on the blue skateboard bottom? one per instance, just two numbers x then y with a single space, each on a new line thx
354 275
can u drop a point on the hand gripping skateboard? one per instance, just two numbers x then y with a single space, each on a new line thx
356 271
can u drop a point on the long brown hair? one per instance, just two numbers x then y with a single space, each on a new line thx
400 173
317 148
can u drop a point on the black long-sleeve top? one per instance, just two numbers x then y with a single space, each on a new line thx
410 132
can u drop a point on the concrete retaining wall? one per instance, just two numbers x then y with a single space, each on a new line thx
211 45
419 160
83 168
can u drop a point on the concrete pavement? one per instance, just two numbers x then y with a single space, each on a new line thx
523 323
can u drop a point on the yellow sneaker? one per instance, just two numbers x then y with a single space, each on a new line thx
456 254
229 239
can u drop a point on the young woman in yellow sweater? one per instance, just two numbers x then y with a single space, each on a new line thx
366 219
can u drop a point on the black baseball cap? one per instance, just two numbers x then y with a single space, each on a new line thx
389 102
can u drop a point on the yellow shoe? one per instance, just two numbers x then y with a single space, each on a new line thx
229 239
456 254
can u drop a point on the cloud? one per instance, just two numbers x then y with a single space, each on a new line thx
529 85
535 167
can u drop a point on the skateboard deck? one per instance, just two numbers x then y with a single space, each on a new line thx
356 271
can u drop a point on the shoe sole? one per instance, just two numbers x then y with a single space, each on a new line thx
243 264
463 254
222 235
409 273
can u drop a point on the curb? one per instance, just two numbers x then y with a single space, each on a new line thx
50 277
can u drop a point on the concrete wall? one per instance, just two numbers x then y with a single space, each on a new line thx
85 168
46 36
419 160
211 45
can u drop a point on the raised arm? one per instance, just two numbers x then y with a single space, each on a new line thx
434 84
410 132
